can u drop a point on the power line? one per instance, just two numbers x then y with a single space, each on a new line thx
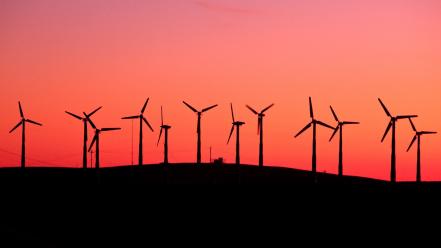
29 158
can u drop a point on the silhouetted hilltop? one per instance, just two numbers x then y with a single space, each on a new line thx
127 206
196 174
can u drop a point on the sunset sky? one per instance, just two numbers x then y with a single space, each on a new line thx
58 55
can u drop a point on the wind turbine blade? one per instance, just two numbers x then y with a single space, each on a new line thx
384 108
428 132
110 129
89 120
335 132
325 125
232 112
145 105
413 125
311 110
334 114
148 124
19 124
34 122
159 139
411 143
190 107
252 110
93 112
74 115
387 131
206 109
162 118
265 109
130 117
303 130
231 133
406 116
351 123
93 142
21 110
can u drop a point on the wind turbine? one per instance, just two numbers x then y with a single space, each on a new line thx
165 128
417 136
260 116
198 130
141 120
84 120
235 125
22 123
313 123
96 140
392 124
339 127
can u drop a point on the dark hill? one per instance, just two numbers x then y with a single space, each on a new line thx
175 174
198 174
130 206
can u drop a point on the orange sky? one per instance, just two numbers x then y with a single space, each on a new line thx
61 55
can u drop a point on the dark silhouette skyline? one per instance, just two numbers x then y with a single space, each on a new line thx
198 128
165 128
235 125
96 140
141 136
392 124
339 128
313 123
85 132
417 137
22 123
260 116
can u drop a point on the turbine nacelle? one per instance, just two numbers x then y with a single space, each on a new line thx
313 121
98 131
238 123
340 124
417 134
199 113
23 120
235 124
260 115
163 127
393 119
141 116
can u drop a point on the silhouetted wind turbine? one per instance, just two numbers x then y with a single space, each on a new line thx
417 136
236 125
22 123
141 120
96 140
84 120
339 127
165 128
313 123
260 116
198 129
392 124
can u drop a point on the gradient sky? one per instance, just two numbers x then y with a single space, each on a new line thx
59 55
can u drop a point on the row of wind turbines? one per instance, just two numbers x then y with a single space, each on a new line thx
86 119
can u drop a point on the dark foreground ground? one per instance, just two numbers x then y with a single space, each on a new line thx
135 207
